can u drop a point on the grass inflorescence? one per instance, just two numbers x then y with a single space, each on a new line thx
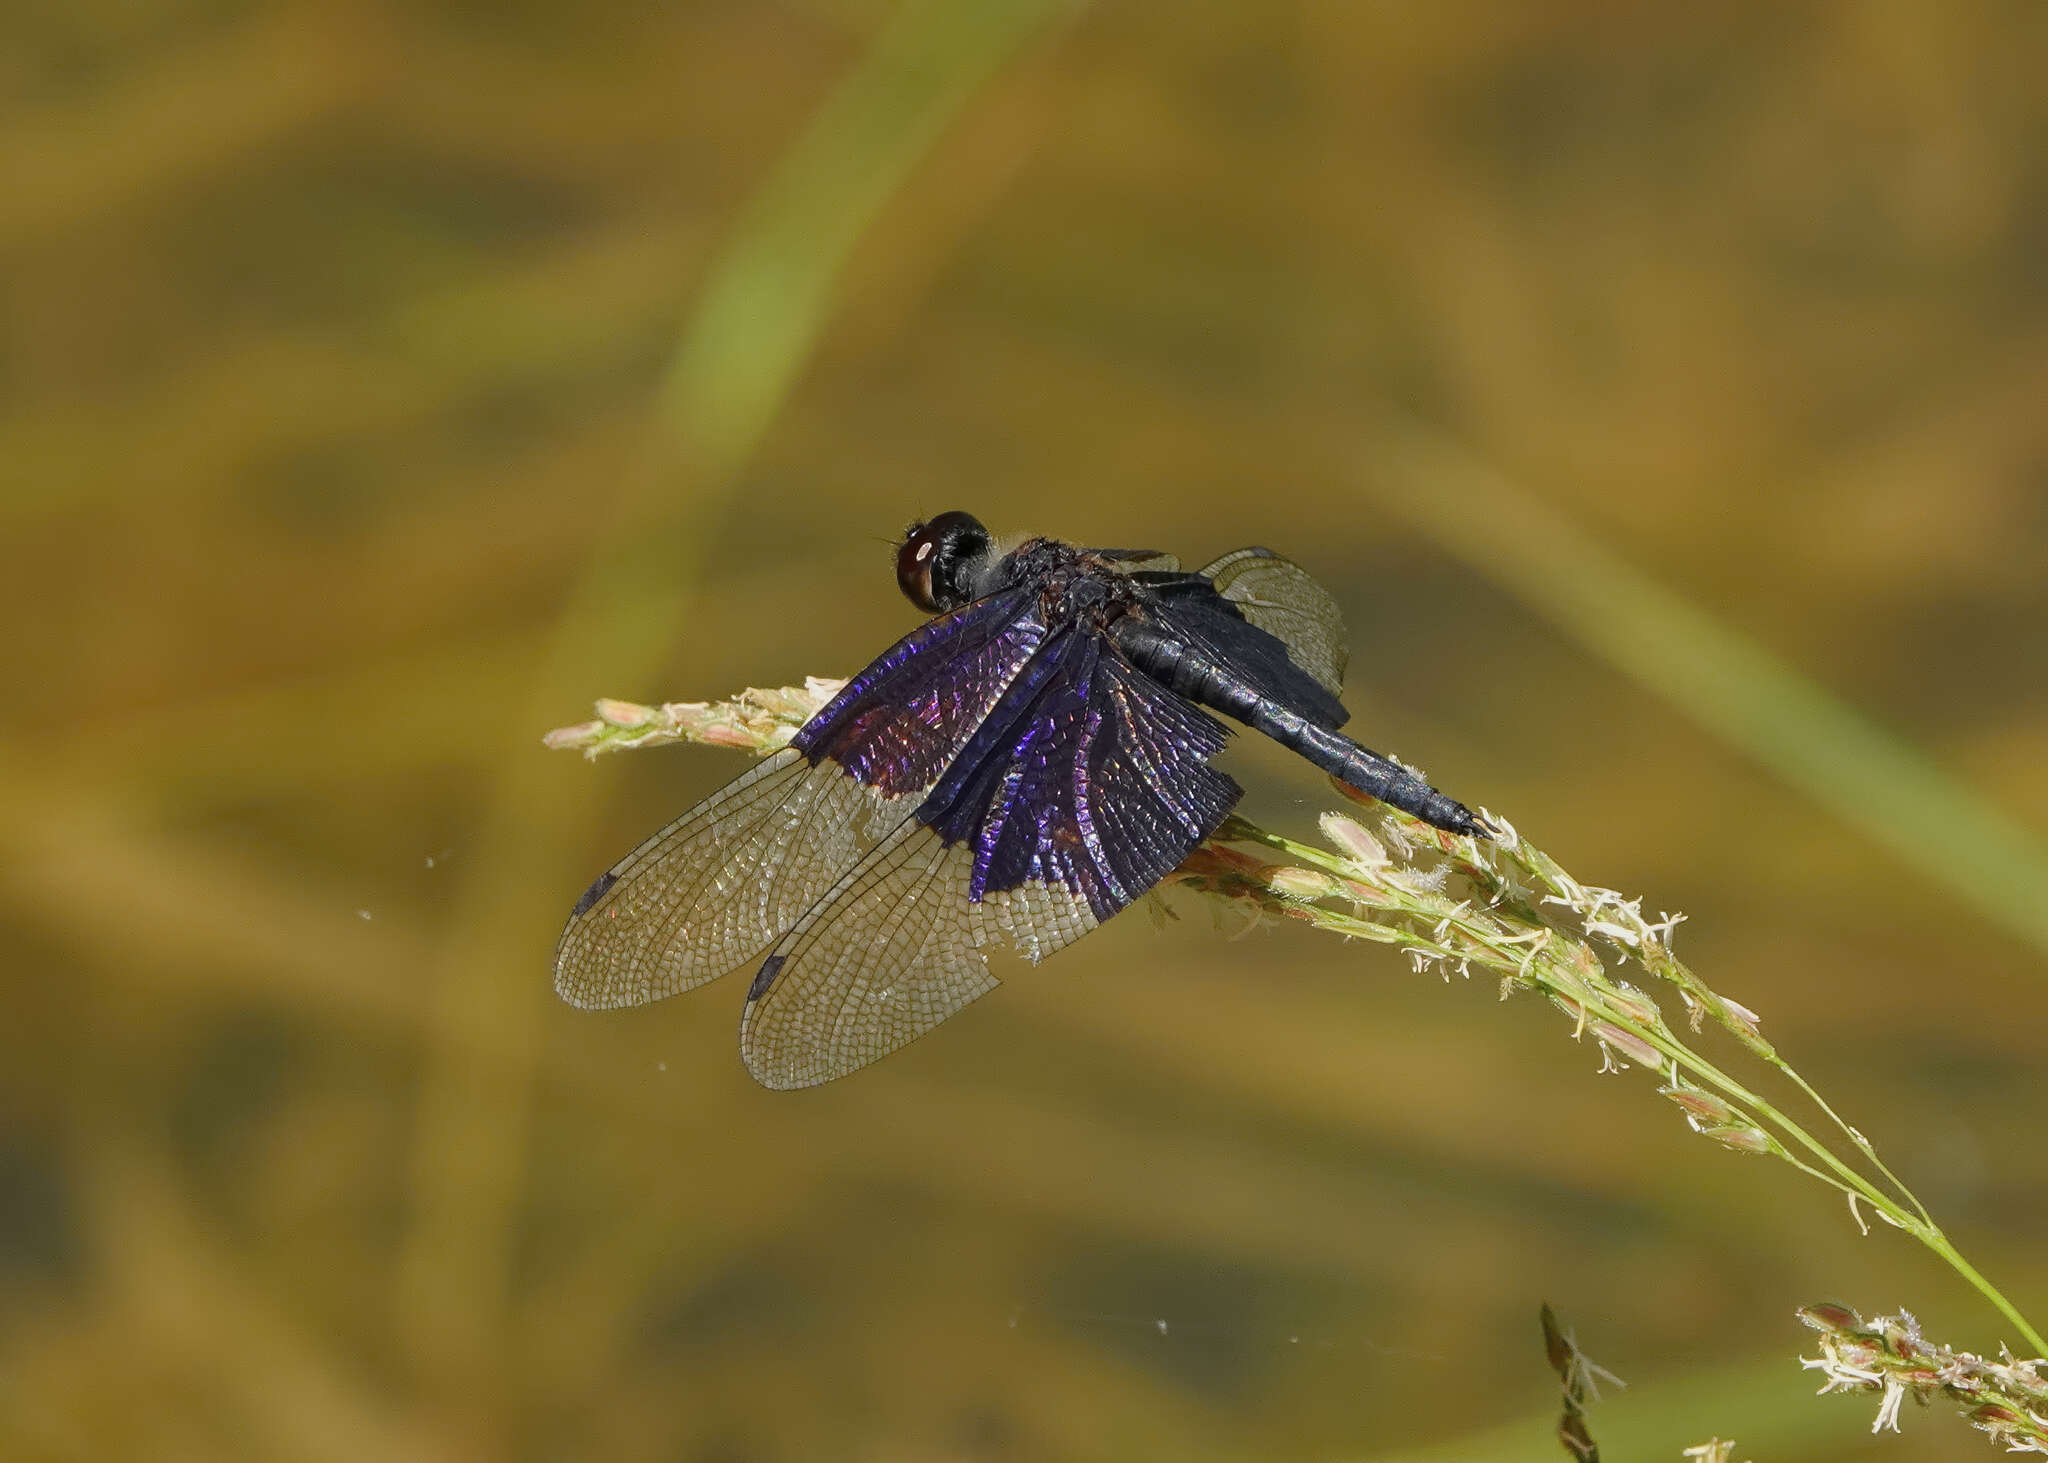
1457 905
1578 1379
1502 907
2007 1398
755 721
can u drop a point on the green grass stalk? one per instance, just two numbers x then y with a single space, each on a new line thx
1457 904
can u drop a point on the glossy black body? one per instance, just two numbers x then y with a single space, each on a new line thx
1013 772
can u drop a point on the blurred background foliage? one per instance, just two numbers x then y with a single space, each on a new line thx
379 384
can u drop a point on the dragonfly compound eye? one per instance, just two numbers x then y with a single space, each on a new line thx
939 560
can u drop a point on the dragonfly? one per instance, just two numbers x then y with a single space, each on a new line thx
1016 770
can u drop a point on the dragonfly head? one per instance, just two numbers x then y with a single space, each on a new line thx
944 562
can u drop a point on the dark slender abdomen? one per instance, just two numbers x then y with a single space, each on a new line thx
1175 665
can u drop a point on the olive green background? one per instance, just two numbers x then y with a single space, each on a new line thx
379 384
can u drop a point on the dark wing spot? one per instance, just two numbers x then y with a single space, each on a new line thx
595 892
765 977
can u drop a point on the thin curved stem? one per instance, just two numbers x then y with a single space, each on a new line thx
1505 931
1462 933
